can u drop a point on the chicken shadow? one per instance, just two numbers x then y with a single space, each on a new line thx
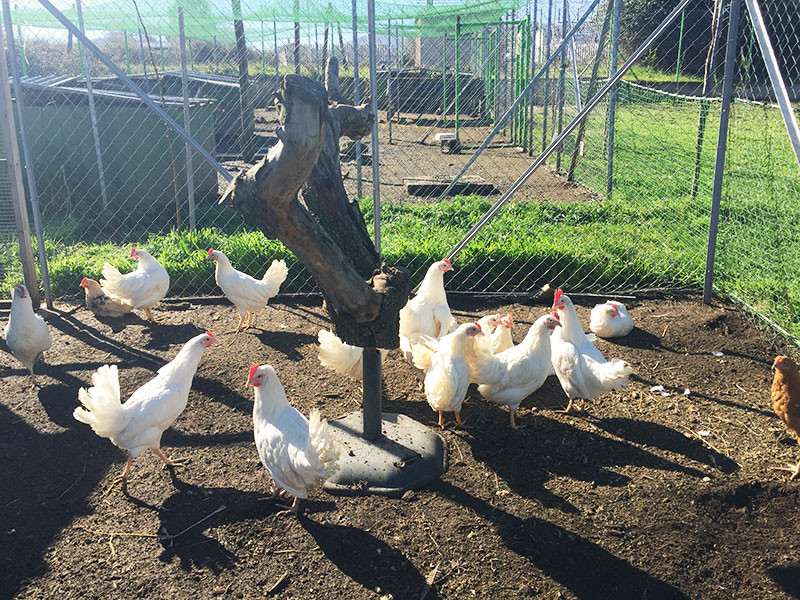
665 438
553 448
286 342
588 570
163 336
187 515
368 561
48 480
788 578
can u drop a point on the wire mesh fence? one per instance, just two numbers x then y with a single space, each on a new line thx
621 206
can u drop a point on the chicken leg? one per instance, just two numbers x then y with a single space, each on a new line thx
295 509
441 420
457 415
149 314
513 417
170 462
121 478
238 327
249 320
569 407
793 469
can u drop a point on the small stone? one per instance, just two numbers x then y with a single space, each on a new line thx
706 479
409 496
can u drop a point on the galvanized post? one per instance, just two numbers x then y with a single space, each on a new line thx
680 50
722 143
186 121
263 53
575 75
612 98
24 62
356 94
15 179
161 49
458 71
444 79
93 114
562 81
275 38
389 82
546 103
534 28
775 77
371 358
216 52
26 153
296 37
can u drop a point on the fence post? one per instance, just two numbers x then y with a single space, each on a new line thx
546 101
246 116
612 99
26 153
93 113
356 94
722 143
186 121
296 37
15 179
275 40
562 81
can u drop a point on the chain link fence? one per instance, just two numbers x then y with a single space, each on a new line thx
622 205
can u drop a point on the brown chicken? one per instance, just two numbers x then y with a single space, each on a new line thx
786 400
101 303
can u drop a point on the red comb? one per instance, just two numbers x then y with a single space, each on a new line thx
478 325
208 333
555 315
557 297
447 262
210 250
253 369
84 280
133 249
510 318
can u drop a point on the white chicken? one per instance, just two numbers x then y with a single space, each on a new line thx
501 337
26 333
514 374
579 365
446 370
247 293
610 320
427 313
139 423
143 288
101 303
478 349
343 358
298 452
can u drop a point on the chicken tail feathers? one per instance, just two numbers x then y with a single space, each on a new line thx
102 409
319 435
337 356
616 373
423 350
111 278
276 273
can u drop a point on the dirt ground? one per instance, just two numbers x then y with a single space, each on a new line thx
644 496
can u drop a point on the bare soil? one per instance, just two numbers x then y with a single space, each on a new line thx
643 496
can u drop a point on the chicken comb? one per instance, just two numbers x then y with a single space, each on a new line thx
478 325
510 318
253 369
554 314
83 281
210 250
133 249
559 292
447 262
211 335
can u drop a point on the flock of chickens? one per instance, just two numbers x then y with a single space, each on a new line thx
298 452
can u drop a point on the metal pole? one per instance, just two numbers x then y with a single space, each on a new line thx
161 50
135 88
316 54
575 77
722 143
389 82
680 49
371 358
127 53
569 128
444 79
562 80
24 62
246 117
263 53
93 114
296 37
458 71
275 38
542 70
141 47
775 77
356 94
612 99
533 73
186 121
216 53
373 90
26 153
546 103
15 180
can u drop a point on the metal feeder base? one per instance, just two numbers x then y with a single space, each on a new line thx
407 457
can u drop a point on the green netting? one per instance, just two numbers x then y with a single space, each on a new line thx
210 19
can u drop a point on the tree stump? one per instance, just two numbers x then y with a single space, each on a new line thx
296 194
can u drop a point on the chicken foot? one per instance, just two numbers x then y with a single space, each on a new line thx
512 414
793 469
150 315
294 510
121 478
170 462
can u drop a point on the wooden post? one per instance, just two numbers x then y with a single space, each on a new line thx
15 179
246 111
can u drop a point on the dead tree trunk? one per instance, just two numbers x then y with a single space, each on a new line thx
318 223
